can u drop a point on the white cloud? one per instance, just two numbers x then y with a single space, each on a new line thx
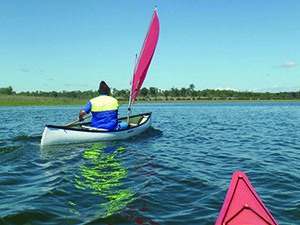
227 89
288 64
278 88
25 70
83 85
252 89
68 85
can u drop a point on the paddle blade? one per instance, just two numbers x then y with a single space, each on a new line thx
242 204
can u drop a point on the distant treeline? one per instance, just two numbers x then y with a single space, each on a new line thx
155 94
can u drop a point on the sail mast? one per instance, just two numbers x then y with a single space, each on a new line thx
129 103
134 69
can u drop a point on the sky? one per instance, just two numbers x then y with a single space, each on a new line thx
59 45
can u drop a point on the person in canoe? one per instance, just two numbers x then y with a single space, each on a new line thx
104 109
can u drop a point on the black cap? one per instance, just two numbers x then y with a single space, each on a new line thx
103 88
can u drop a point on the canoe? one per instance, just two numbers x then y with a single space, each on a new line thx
83 132
242 204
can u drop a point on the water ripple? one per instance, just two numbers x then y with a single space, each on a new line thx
178 172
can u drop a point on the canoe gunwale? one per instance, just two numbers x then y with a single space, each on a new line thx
78 127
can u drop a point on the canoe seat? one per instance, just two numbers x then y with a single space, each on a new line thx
144 119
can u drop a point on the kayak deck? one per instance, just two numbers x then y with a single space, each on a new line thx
242 204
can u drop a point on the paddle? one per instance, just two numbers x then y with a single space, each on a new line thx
78 120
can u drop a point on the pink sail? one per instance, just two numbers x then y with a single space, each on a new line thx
145 57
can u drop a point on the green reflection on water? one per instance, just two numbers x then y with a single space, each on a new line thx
101 174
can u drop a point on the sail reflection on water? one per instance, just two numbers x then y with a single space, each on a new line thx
101 175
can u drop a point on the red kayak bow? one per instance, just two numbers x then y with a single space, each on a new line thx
242 204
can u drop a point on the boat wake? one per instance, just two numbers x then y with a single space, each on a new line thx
153 132
27 138
14 147
148 134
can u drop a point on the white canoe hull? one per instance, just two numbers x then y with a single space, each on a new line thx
70 134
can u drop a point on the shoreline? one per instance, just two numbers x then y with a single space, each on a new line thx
7 100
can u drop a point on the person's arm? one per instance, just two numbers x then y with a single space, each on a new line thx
82 113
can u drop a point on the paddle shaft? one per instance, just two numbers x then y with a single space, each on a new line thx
78 120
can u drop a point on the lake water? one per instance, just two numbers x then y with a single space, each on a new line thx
178 172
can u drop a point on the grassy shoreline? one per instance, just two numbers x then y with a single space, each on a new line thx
13 100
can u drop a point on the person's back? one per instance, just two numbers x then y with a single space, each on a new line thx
104 109
105 112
